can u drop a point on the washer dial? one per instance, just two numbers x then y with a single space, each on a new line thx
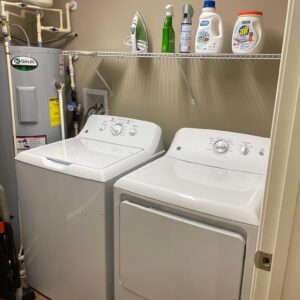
117 129
221 146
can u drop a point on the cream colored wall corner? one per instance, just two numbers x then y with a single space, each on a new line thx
291 287
232 95
279 230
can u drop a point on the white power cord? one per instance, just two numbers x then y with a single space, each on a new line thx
142 46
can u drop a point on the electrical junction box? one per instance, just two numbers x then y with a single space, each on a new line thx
93 97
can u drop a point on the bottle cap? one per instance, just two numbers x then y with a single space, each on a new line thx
244 13
170 10
209 4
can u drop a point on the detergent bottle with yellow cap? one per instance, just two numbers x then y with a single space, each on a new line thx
248 33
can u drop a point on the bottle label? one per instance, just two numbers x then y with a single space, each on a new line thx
171 44
244 37
204 38
185 38
204 23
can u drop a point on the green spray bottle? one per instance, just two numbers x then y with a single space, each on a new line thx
168 33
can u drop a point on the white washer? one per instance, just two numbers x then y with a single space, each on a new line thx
66 198
186 224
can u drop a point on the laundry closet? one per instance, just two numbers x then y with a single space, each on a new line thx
215 124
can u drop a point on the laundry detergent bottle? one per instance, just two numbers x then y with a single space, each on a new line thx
168 33
248 33
209 37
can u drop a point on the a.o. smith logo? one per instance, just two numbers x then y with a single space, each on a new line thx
24 63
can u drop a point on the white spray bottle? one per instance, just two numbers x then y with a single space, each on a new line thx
209 37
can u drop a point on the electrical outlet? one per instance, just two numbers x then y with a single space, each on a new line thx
92 98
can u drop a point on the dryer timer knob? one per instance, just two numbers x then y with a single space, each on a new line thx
244 149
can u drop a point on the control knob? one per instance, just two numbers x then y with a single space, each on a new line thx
132 132
116 129
221 146
244 149
102 127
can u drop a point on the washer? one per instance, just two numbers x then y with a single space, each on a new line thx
66 198
186 224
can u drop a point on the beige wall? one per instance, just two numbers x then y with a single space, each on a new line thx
232 95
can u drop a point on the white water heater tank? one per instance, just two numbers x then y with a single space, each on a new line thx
41 3
37 117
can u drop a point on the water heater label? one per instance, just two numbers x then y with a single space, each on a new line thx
24 63
54 112
29 142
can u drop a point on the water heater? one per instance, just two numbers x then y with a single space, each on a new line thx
37 114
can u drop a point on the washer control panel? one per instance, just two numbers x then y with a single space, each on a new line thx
119 130
119 126
228 150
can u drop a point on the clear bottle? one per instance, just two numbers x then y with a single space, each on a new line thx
209 37
186 28
168 33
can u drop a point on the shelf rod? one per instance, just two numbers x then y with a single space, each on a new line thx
221 56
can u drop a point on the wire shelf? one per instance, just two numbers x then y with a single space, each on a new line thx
221 56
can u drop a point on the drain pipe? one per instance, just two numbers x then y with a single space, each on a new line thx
39 30
60 87
72 73
6 37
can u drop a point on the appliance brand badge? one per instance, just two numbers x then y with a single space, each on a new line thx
24 63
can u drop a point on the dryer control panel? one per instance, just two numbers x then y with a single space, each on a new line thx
222 149
121 131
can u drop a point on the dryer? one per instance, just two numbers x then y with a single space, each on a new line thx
186 224
66 198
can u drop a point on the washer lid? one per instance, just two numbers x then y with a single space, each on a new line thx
85 152
85 158
228 194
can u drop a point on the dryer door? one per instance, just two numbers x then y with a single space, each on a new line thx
168 257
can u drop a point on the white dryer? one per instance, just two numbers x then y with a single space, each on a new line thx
66 197
186 224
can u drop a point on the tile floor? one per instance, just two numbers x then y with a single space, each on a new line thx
39 297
